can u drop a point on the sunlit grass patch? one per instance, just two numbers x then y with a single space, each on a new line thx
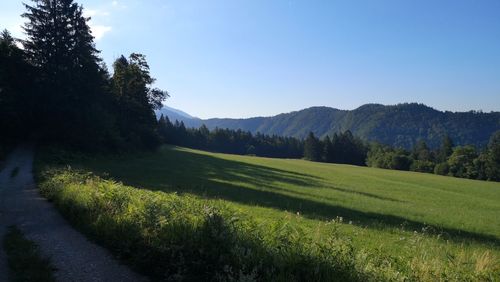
286 218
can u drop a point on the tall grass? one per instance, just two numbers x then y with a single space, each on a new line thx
215 233
178 238
186 238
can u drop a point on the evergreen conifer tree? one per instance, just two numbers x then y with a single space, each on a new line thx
70 80
312 148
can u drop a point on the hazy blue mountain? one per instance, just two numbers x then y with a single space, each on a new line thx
175 114
399 125
178 112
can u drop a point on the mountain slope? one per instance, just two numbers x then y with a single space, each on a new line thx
175 114
400 125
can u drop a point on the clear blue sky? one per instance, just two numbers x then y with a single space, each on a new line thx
242 58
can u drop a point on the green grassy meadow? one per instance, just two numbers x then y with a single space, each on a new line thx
419 225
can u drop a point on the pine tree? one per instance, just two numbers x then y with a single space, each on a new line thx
493 157
60 45
328 150
421 151
16 89
312 148
163 129
136 100
446 149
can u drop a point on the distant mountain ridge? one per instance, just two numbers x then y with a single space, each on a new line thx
399 125
174 114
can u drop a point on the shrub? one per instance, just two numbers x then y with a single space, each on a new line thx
422 166
385 157
461 162
442 169
401 162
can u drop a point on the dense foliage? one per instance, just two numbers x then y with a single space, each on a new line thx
229 141
342 148
16 91
459 161
400 125
56 89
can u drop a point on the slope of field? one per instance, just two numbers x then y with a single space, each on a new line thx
465 208
441 222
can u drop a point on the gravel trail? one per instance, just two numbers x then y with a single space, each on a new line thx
74 257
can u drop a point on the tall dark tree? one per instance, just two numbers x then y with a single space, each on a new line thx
233 141
494 146
348 149
492 158
461 162
70 80
136 100
312 148
16 105
421 151
446 149
423 158
164 128
328 150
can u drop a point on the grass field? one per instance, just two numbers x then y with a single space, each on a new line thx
421 225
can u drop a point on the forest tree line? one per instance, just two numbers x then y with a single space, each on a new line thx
459 161
229 141
343 148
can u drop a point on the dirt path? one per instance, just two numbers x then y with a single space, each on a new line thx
75 258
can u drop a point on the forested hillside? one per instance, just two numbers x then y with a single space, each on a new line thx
399 125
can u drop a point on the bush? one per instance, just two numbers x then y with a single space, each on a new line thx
400 162
422 166
461 162
386 157
442 169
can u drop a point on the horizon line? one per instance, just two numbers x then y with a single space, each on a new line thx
331 107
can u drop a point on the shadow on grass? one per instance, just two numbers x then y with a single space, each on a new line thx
370 195
184 171
24 258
